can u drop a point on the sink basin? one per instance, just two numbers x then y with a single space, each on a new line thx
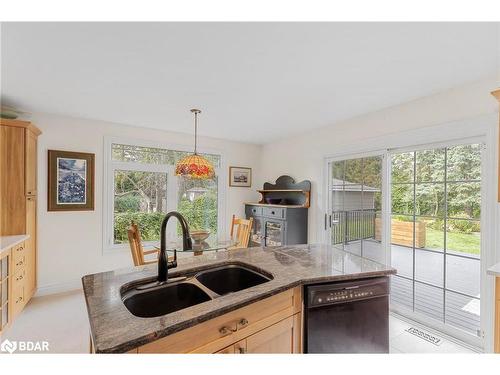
230 278
163 299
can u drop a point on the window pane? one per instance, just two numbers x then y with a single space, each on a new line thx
372 173
463 236
402 167
354 171
464 200
464 162
338 172
140 197
463 274
402 199
429 300
401 250
429 267
433 233
430 165
429 199
463 312
197 202
152 155
402 292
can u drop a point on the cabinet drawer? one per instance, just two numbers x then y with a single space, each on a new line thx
19 278
274 212
18 252
253 211
218 333
19 264
17 300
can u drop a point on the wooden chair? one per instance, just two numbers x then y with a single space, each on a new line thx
243 232
138 253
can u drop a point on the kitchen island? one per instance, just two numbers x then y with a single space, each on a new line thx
222 324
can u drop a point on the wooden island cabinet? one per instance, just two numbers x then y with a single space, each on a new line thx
271 325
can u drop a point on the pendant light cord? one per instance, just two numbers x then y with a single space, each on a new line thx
195 131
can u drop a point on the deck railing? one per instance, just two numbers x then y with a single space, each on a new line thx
353 225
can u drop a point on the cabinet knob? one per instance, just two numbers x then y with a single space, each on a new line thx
224 331
243 323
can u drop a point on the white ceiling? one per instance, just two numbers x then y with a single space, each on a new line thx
255 82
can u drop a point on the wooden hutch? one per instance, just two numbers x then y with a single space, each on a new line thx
280 217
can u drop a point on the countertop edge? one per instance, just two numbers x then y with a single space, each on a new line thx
6 242
157 335
494 270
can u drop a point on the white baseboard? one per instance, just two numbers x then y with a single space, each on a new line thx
58 288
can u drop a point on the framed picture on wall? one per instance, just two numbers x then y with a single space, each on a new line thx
240 176
70 181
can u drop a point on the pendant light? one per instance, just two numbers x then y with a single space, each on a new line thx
195 166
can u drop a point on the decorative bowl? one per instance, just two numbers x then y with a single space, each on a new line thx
273 200
199 235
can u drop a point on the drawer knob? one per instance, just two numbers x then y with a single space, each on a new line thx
243 323
224 331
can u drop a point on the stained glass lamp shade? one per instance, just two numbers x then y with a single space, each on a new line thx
195 166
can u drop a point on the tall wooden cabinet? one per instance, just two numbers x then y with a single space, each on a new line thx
18 202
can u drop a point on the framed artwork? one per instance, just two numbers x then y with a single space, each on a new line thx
240 176
70 181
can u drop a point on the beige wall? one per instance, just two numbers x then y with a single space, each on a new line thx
302 156
70 243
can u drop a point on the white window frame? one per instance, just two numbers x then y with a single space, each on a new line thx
110 166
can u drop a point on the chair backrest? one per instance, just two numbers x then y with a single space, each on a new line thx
134 239
243 231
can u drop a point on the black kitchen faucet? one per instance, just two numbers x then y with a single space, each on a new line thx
163 263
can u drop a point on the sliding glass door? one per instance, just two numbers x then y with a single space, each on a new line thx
355 206
420 211
436 234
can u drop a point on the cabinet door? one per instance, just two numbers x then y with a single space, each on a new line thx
238 348
12 199
228 350
30 245
30 163
277 338
274 233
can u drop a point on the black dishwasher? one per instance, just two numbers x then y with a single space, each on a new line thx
347 317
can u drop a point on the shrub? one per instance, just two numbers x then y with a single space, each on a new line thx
463 226
149 225
127 203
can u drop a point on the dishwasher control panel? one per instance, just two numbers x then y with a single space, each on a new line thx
347 291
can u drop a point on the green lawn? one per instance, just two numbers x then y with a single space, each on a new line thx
466 243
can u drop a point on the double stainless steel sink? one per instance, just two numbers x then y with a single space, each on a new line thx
148 298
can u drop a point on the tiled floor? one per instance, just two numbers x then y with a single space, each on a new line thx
62 321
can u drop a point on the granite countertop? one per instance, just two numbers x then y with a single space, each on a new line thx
6 242
494 270
114 329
